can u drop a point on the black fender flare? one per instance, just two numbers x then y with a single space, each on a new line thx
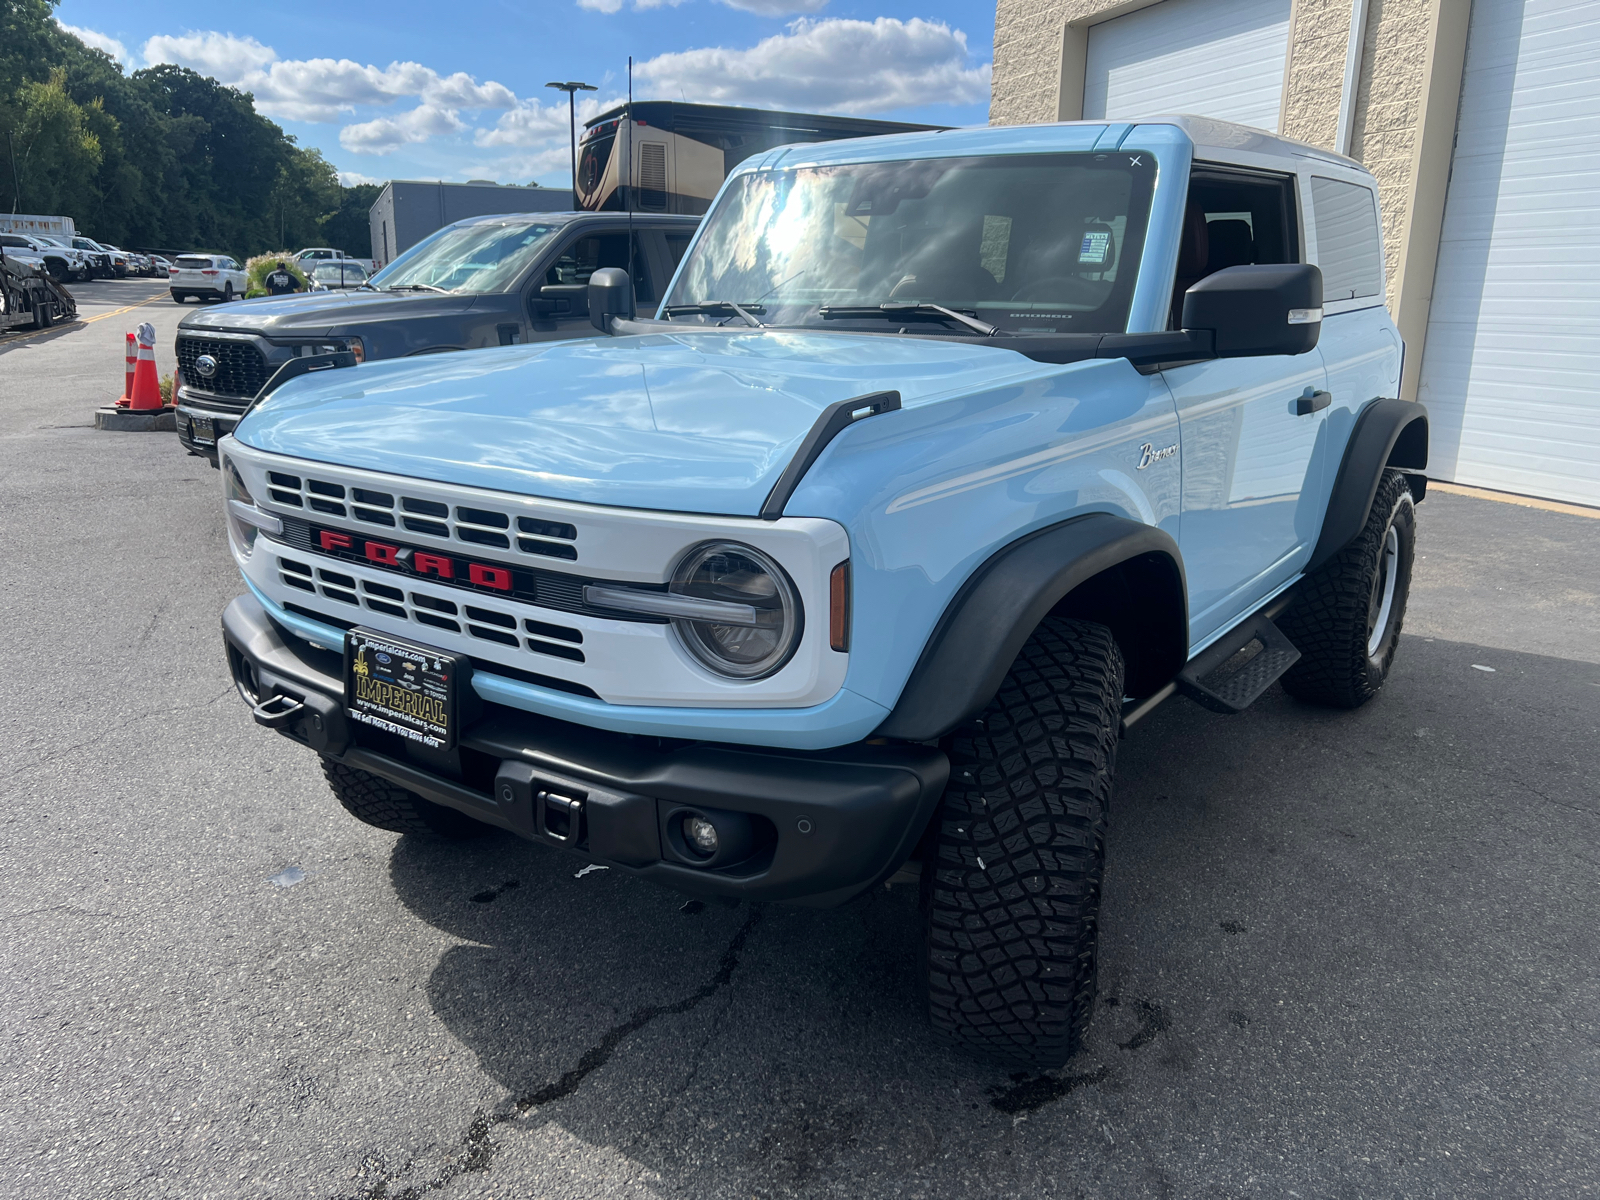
1098 566
1387 433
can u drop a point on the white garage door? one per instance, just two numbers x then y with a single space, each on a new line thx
1213 58
1511 370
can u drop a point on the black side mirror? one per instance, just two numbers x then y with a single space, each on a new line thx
610 295
1251 311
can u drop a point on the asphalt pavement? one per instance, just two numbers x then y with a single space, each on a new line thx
1344 954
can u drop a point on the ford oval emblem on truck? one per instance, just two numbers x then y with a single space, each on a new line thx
205 366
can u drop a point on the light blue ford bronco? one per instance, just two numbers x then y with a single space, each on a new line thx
946 458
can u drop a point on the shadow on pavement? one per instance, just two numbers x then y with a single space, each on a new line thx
1332 943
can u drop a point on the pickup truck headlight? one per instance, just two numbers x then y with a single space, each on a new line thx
769 622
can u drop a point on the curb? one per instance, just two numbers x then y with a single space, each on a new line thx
121 420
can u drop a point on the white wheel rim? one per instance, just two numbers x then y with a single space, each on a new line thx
1388 568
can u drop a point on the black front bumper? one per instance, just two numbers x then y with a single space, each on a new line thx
829 823
224 416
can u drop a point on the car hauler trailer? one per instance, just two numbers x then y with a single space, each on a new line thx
681 153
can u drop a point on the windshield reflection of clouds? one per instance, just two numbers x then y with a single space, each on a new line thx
476 259
1031 243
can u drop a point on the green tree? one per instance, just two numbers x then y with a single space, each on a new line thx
57 153
350 229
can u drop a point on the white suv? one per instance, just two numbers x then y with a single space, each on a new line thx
213 275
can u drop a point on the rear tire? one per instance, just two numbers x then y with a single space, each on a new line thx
227 293
1346 617
43 317
179 297
384 805
1011 888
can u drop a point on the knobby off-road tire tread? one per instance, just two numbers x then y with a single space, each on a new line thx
379 803
1012 885
1328 620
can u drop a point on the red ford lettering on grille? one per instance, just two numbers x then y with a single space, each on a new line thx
495 577
334 541
383 554
441 566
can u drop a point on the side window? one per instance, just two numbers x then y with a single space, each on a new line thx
677 246
1346 216
587 255
1233 219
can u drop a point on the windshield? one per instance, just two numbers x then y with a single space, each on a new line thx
486 256
1038 243
334 272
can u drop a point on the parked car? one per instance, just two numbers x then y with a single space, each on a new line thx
121 260
335 274
160 266
100 264
78 264
485 281
60 263
206 276
303 258
946 459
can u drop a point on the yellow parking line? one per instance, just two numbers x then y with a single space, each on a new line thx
1456 489
117 312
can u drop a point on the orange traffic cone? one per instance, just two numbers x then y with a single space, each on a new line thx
130 356
146 393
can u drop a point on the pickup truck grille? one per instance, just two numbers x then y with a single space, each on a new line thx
432 518
241 370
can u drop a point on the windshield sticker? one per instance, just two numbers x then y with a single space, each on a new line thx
1095 247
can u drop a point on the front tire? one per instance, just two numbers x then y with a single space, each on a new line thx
1346 618
383 805
1011 888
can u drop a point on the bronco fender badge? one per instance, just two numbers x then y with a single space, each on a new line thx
1149 454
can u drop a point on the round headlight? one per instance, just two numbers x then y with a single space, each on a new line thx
765 637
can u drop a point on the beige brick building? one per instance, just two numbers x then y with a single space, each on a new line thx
1389 82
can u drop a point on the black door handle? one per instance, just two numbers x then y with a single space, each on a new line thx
1312 401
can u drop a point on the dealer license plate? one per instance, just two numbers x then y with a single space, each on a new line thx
402 687
203 431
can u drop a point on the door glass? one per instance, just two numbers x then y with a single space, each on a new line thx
584 257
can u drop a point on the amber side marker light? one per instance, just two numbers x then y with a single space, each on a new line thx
839 607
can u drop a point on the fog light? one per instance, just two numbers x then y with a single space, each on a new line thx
701 834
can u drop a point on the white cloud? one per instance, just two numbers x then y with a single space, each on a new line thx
776 8
532 124
99 41
833 65
386 134
355 178
324 89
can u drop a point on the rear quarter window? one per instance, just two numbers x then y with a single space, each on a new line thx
1348 249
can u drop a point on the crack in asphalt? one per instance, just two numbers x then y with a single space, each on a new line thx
478 1150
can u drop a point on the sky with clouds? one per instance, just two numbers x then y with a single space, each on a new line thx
439 90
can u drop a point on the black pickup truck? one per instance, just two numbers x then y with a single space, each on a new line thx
485 281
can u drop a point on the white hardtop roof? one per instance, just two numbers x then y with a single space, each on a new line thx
1208 133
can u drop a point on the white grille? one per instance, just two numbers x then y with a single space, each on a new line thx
436 519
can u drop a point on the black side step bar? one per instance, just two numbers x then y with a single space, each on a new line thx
1231 673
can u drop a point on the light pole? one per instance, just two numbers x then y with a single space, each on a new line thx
571 87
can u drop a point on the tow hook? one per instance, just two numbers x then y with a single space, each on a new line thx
278 712
559 817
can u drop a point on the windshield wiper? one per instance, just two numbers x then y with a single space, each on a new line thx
417 287
907 308
745 313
